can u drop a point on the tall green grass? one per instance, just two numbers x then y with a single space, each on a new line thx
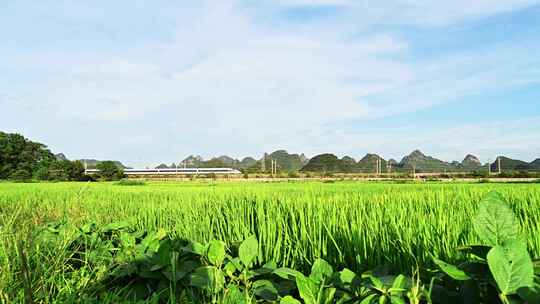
355 224
358 225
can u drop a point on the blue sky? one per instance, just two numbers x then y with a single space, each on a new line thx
146 82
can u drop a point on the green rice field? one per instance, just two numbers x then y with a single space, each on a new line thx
349 224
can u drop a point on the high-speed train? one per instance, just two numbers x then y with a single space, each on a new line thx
173 171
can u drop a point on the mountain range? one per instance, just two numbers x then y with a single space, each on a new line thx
416 160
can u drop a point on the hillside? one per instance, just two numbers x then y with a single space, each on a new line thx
285 161
535 164
510 164
247 162
324 163
469 163
228 161
368 163
423 163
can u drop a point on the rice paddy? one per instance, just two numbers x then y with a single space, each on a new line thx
349 224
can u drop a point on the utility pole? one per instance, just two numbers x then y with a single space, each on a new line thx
499 164
263 163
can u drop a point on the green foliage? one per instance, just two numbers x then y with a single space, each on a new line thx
248 251
20 175
156 267
20 157
494 222
299 231
285 161
216 252
323 163
130 182
510 268
451 270
109 170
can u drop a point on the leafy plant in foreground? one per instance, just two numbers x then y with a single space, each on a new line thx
150 266
500 269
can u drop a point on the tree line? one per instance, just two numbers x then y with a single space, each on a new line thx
23 160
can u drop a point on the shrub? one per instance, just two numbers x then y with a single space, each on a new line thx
128 182
109 171
21 175
293 174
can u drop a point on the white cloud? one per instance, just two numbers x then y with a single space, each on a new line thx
414 12
226 84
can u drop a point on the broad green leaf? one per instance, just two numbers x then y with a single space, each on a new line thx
163 254
233 295
237 263
346 278
307 288
209 278
286 273
115 226
265 269
397 300
369 299
196 248
289 300
400 282
375 281
229 269
216 252
511 266
398 289
494 221
265 290
321 271
153 245
248 251
328 295
184 268
452 271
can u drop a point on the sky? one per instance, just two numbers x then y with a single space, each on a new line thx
149 82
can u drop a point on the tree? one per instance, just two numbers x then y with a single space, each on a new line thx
76 172
60 170
20 175
20 156
108 170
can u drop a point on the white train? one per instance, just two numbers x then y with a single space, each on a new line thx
174 171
